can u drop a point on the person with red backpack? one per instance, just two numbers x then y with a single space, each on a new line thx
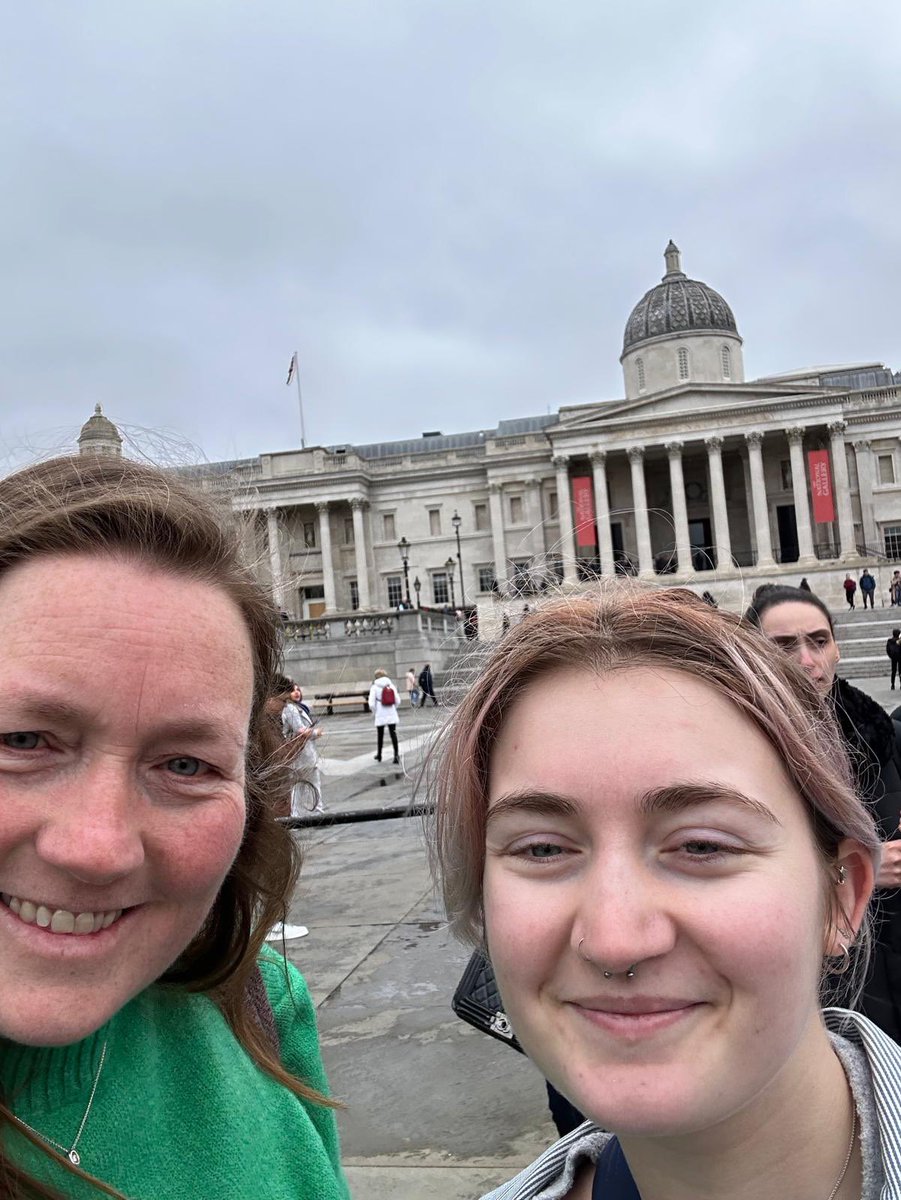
383 703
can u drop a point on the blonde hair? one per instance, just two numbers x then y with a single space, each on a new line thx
623 627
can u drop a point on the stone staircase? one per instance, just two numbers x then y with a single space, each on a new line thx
861 635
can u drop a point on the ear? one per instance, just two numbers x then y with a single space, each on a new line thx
849 899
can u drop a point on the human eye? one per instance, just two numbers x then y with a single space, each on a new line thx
185 766
22 740
542 851
705 850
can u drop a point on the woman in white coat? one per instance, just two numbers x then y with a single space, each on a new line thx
383 702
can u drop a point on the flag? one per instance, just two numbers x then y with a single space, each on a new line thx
292 368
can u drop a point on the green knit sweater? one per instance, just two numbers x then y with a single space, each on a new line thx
181 1112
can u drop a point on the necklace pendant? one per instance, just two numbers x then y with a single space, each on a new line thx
74 1157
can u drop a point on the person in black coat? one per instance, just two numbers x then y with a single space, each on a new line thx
427 685
801 624
893 650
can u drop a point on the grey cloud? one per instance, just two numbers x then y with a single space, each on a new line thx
449 209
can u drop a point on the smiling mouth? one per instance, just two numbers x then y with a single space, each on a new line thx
60 920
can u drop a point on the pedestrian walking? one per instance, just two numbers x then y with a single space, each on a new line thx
801 625
867 587
893 650
804 585
144 1026
383 703
895 588
661 903
301 732
850 586
427 685
412 687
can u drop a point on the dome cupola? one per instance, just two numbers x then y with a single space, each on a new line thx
681 331
99 435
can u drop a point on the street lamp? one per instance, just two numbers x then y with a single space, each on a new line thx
417 584
404 547
457 521
449 567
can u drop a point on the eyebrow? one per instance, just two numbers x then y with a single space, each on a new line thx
194 729
790 639
674 798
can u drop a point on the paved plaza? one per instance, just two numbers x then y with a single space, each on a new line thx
434 1109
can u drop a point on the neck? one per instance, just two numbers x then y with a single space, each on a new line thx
791 1141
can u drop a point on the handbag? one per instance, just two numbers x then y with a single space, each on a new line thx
478 1002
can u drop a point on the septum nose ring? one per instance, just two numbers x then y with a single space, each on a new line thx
629 971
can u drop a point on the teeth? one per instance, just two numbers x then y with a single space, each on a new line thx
63 921
60 920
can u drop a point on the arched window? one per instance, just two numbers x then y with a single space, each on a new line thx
683 363
639 365
726 358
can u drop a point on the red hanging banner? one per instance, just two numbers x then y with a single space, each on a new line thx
583 510
821 486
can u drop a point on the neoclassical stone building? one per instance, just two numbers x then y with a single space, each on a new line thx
695 474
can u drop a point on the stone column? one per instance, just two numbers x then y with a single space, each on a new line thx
842 486
275 557
533 515
328 570
496 508
602 511
357 505
721 538
640 504
806 554
565 512
758 500
864 456
680 508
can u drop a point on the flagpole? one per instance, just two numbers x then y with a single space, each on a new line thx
294 370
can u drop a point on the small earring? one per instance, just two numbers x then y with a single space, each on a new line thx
842 875
844 960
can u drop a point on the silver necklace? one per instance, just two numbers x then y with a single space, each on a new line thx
72 1153
841 1178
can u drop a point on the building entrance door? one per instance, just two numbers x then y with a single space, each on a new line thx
788 533
315 608
701 541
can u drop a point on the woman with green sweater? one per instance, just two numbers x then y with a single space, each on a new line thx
150 1046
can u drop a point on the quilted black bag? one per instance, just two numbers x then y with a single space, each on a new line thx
478 1002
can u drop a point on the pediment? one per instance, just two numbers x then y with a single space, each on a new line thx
685 402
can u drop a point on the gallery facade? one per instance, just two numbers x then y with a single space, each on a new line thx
696 474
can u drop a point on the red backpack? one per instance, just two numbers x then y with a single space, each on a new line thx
388 696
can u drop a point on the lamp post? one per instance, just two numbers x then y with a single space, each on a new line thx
449 567
417 585
457 521
404 547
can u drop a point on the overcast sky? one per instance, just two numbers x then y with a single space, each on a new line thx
449 209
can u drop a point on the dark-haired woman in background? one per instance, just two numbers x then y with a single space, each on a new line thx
801 625
149 1047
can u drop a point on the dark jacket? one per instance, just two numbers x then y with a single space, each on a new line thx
425 681
868 583
893 649
874 745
